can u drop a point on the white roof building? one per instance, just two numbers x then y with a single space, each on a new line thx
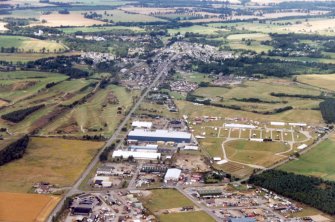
172 174
159 135
191 148
242 126
137 155
277 124
140 124
297 124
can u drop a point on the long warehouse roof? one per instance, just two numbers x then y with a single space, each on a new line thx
160 133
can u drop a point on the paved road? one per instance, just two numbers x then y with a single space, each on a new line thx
162 70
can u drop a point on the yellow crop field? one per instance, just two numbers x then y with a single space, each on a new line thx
321 81
26 207
53 160
72 19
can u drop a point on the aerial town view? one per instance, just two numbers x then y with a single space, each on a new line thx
167 110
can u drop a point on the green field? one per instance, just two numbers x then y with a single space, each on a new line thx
26 57
21 84
121 16
319 162
53 160
262 89
250 152
97 115
101 29
198 216
321 81
212 146
196 29
162 199
26 44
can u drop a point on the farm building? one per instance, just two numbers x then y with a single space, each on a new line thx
209 193
141 124
159 135
137 155
172 174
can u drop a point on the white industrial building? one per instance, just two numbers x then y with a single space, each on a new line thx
172 174
136 155
277 124
145 148
141 124
191 148
159 135
240 126
297 124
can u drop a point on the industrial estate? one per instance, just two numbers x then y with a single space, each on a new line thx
171 111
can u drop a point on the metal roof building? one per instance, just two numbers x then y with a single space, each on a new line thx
159 135
137 155
172 174
141 124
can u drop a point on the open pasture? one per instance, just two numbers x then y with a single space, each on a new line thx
101 29
100 113
72 19
262 90
53 160
196 29
322 26
318 162
295 115
26 57
161 199
235 169
258 153
122 16
200 216
147 11
212 146
321 81
26 44
26 207
22 84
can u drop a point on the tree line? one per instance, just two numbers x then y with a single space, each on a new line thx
19 115
14 150
312 191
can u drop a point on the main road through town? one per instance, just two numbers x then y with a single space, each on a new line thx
162 69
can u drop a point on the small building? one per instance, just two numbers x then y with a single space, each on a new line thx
195 148
172 174
83 210
242 219
142 124
153 168
209 193
159 135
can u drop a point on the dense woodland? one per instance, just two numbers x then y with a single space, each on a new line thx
19 115
14 150
313 191
327 108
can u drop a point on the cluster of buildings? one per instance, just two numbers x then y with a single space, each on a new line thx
143 141
97 57
183 86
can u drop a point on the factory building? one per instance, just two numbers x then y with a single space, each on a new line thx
136 155
159 135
